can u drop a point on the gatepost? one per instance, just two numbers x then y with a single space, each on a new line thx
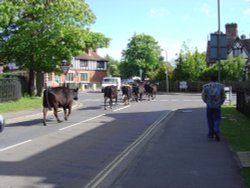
228 92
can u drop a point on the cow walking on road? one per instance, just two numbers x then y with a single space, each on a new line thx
126 93
138 90
110 92
151 90
58 97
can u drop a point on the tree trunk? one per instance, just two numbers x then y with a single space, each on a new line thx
39 83
31 89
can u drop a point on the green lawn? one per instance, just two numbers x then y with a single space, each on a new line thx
236 129
22 104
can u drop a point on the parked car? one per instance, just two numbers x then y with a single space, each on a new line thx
108 81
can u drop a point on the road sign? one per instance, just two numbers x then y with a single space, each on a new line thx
218 41
65 68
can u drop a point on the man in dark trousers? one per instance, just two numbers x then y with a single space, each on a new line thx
213 94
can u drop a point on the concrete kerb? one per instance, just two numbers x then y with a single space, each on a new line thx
109 174
28 117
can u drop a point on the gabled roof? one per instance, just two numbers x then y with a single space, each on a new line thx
230 43
246 43
90 55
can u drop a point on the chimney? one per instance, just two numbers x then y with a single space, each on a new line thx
231 30
88 52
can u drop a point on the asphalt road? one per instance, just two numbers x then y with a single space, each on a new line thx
73 153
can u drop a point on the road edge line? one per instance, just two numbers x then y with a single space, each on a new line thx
106 177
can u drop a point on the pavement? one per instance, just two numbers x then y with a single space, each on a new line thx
178 155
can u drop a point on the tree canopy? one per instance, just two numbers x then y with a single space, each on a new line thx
143 52
40 34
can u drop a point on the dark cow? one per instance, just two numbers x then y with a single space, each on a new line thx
150 89
138 90
126 93
58 97
110 92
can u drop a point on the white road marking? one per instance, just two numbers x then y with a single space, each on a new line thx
15 145
82 122
91 119
121 108
97 180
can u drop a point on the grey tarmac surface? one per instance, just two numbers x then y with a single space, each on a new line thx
181 156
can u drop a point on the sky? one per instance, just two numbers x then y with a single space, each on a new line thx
169 22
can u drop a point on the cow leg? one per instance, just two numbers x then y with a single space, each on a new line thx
69 112
45 110
65 114
110 102
105 103
140 96
56 115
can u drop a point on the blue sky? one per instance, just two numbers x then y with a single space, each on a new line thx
170 22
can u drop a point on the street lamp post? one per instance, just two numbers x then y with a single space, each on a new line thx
140 72
167 81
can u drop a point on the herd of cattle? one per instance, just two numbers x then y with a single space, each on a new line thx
62 97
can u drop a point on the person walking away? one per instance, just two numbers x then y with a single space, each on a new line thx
213 94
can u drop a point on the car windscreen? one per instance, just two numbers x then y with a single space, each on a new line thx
109 80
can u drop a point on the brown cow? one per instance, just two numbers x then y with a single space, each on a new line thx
151 89
126 93
58 97
110 92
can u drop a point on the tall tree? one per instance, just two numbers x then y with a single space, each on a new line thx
113 66
39 34
143 52
190 66
232 69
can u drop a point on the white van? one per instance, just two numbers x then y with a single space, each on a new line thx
108 81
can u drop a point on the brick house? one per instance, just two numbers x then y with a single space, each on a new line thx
87 69
236 45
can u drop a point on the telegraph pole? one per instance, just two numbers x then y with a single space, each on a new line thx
218 42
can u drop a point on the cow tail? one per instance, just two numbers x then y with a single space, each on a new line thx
47 99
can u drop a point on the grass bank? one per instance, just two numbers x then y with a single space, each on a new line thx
236 129
22 104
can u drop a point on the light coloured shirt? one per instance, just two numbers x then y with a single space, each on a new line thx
213 94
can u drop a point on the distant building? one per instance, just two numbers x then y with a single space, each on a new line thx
236 45
87 69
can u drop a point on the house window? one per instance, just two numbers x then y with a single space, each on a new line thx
70 77
83 63
237 52
84 76
100 65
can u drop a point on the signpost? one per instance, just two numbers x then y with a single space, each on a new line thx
140 71
65 68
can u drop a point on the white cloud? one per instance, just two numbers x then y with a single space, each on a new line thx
205 9
158 12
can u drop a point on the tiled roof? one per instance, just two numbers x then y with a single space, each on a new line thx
246 43
90 55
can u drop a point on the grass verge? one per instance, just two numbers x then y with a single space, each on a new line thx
236 129
22 104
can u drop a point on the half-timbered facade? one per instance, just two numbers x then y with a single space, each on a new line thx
86 69
236 45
